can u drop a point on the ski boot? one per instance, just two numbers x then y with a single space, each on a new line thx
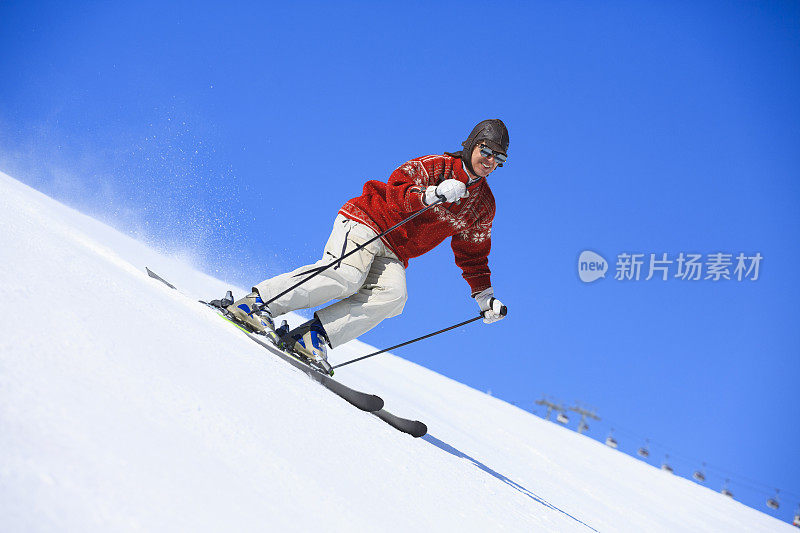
251 312
311 342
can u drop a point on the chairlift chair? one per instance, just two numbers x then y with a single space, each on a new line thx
700 475
773 502
725 491
562 418
643 451
665 465
611 442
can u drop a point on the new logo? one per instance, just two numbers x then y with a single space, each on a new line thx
591 266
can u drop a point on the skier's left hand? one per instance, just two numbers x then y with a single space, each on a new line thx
492 309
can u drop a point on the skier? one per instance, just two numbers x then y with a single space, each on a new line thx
371 284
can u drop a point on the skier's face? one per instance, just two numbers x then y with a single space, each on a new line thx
482 165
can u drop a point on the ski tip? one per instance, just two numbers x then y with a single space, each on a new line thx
377 401
415 428
159 278
419 430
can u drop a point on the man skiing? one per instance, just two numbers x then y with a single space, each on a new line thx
370 285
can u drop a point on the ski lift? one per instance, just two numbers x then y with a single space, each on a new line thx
562 418
665 465
725 491
700 475
583 426
796 521
611 441
773 502
643 451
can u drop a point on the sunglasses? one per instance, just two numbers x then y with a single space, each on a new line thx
488 152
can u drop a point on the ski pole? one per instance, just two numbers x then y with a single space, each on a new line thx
503 311
348 254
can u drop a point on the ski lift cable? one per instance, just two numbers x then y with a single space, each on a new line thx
735 477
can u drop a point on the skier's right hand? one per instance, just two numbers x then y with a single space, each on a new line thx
448 191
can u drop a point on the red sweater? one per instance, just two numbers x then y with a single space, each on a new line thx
468 222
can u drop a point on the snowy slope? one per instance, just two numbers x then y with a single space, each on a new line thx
126 406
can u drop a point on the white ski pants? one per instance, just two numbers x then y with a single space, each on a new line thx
371 283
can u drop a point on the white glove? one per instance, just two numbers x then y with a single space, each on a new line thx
492 309
448 190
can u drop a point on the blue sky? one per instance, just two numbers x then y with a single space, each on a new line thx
232 135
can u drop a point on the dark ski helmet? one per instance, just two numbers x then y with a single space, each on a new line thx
493 133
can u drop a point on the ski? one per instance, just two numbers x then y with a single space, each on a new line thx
362 400
159 278
415 428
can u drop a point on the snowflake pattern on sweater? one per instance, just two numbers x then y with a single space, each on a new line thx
468 222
